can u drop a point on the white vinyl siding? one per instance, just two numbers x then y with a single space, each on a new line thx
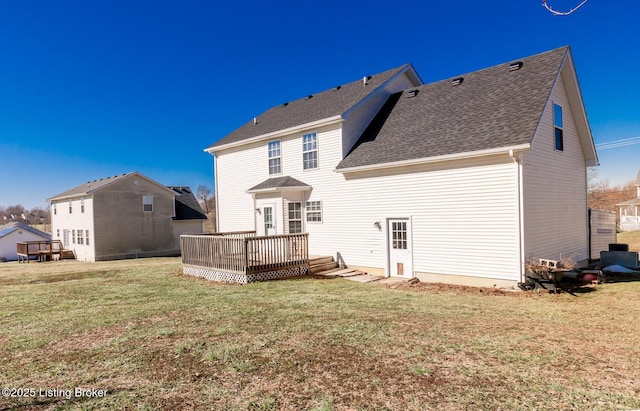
555 202
464 218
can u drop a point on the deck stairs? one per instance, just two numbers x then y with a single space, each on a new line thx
67 255
327 266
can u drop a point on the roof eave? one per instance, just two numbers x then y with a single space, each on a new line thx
279 133
436 159
278 189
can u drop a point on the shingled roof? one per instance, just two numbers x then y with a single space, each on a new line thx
187 207
334 102
89 187
491 108
279 184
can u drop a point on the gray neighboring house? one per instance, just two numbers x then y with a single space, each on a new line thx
124 216
16 232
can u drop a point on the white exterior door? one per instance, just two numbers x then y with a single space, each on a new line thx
269 219
399 237
65 238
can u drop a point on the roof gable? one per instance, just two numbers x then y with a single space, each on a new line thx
316 107
92 186
489 109
9 228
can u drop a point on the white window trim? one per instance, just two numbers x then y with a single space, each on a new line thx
561 128
312 212
317 151
269 158
289 219
145 202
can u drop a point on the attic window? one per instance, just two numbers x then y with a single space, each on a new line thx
516 66
412 93
457 81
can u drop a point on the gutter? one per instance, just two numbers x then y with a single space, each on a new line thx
436 159
279 133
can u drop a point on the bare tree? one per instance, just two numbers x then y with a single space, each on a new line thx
204 194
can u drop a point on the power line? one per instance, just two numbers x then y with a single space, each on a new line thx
618 143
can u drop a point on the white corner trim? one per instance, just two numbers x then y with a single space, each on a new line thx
437 159
279 133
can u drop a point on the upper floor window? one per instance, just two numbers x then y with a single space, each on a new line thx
309 151
557 126
55 209
70 207
82 204
147 203
275 166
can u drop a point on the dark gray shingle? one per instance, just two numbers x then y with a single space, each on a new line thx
491 108
279 182
323 105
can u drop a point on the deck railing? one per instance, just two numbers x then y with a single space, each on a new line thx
39 249
243 253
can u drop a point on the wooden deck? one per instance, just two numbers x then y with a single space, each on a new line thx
242 257
42 250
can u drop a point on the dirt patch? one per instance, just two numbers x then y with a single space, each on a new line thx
457 289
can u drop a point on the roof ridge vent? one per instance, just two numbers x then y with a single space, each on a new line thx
457 81
338 88
285 104
365 80
516 66
310 96
412 93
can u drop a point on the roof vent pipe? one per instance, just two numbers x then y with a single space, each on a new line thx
255 121
365 80
516 66
457 81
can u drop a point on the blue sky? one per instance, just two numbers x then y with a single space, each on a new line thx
90 89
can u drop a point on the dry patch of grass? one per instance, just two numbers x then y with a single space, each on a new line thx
630 237
158 340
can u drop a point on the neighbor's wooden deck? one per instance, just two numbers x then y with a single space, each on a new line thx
42 250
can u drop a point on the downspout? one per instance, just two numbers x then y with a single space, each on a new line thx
521 256
215 189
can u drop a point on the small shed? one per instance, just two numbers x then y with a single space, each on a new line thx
602 231
15 232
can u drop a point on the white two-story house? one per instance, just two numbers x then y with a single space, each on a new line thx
460 180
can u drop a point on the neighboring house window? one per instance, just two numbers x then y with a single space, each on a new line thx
80 237
147 203
73 236
314 211
295 218
55 209
557 125
86 233
82 204
58 233
70 207
275 166
309 151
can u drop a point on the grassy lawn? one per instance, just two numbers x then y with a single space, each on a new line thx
155 339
